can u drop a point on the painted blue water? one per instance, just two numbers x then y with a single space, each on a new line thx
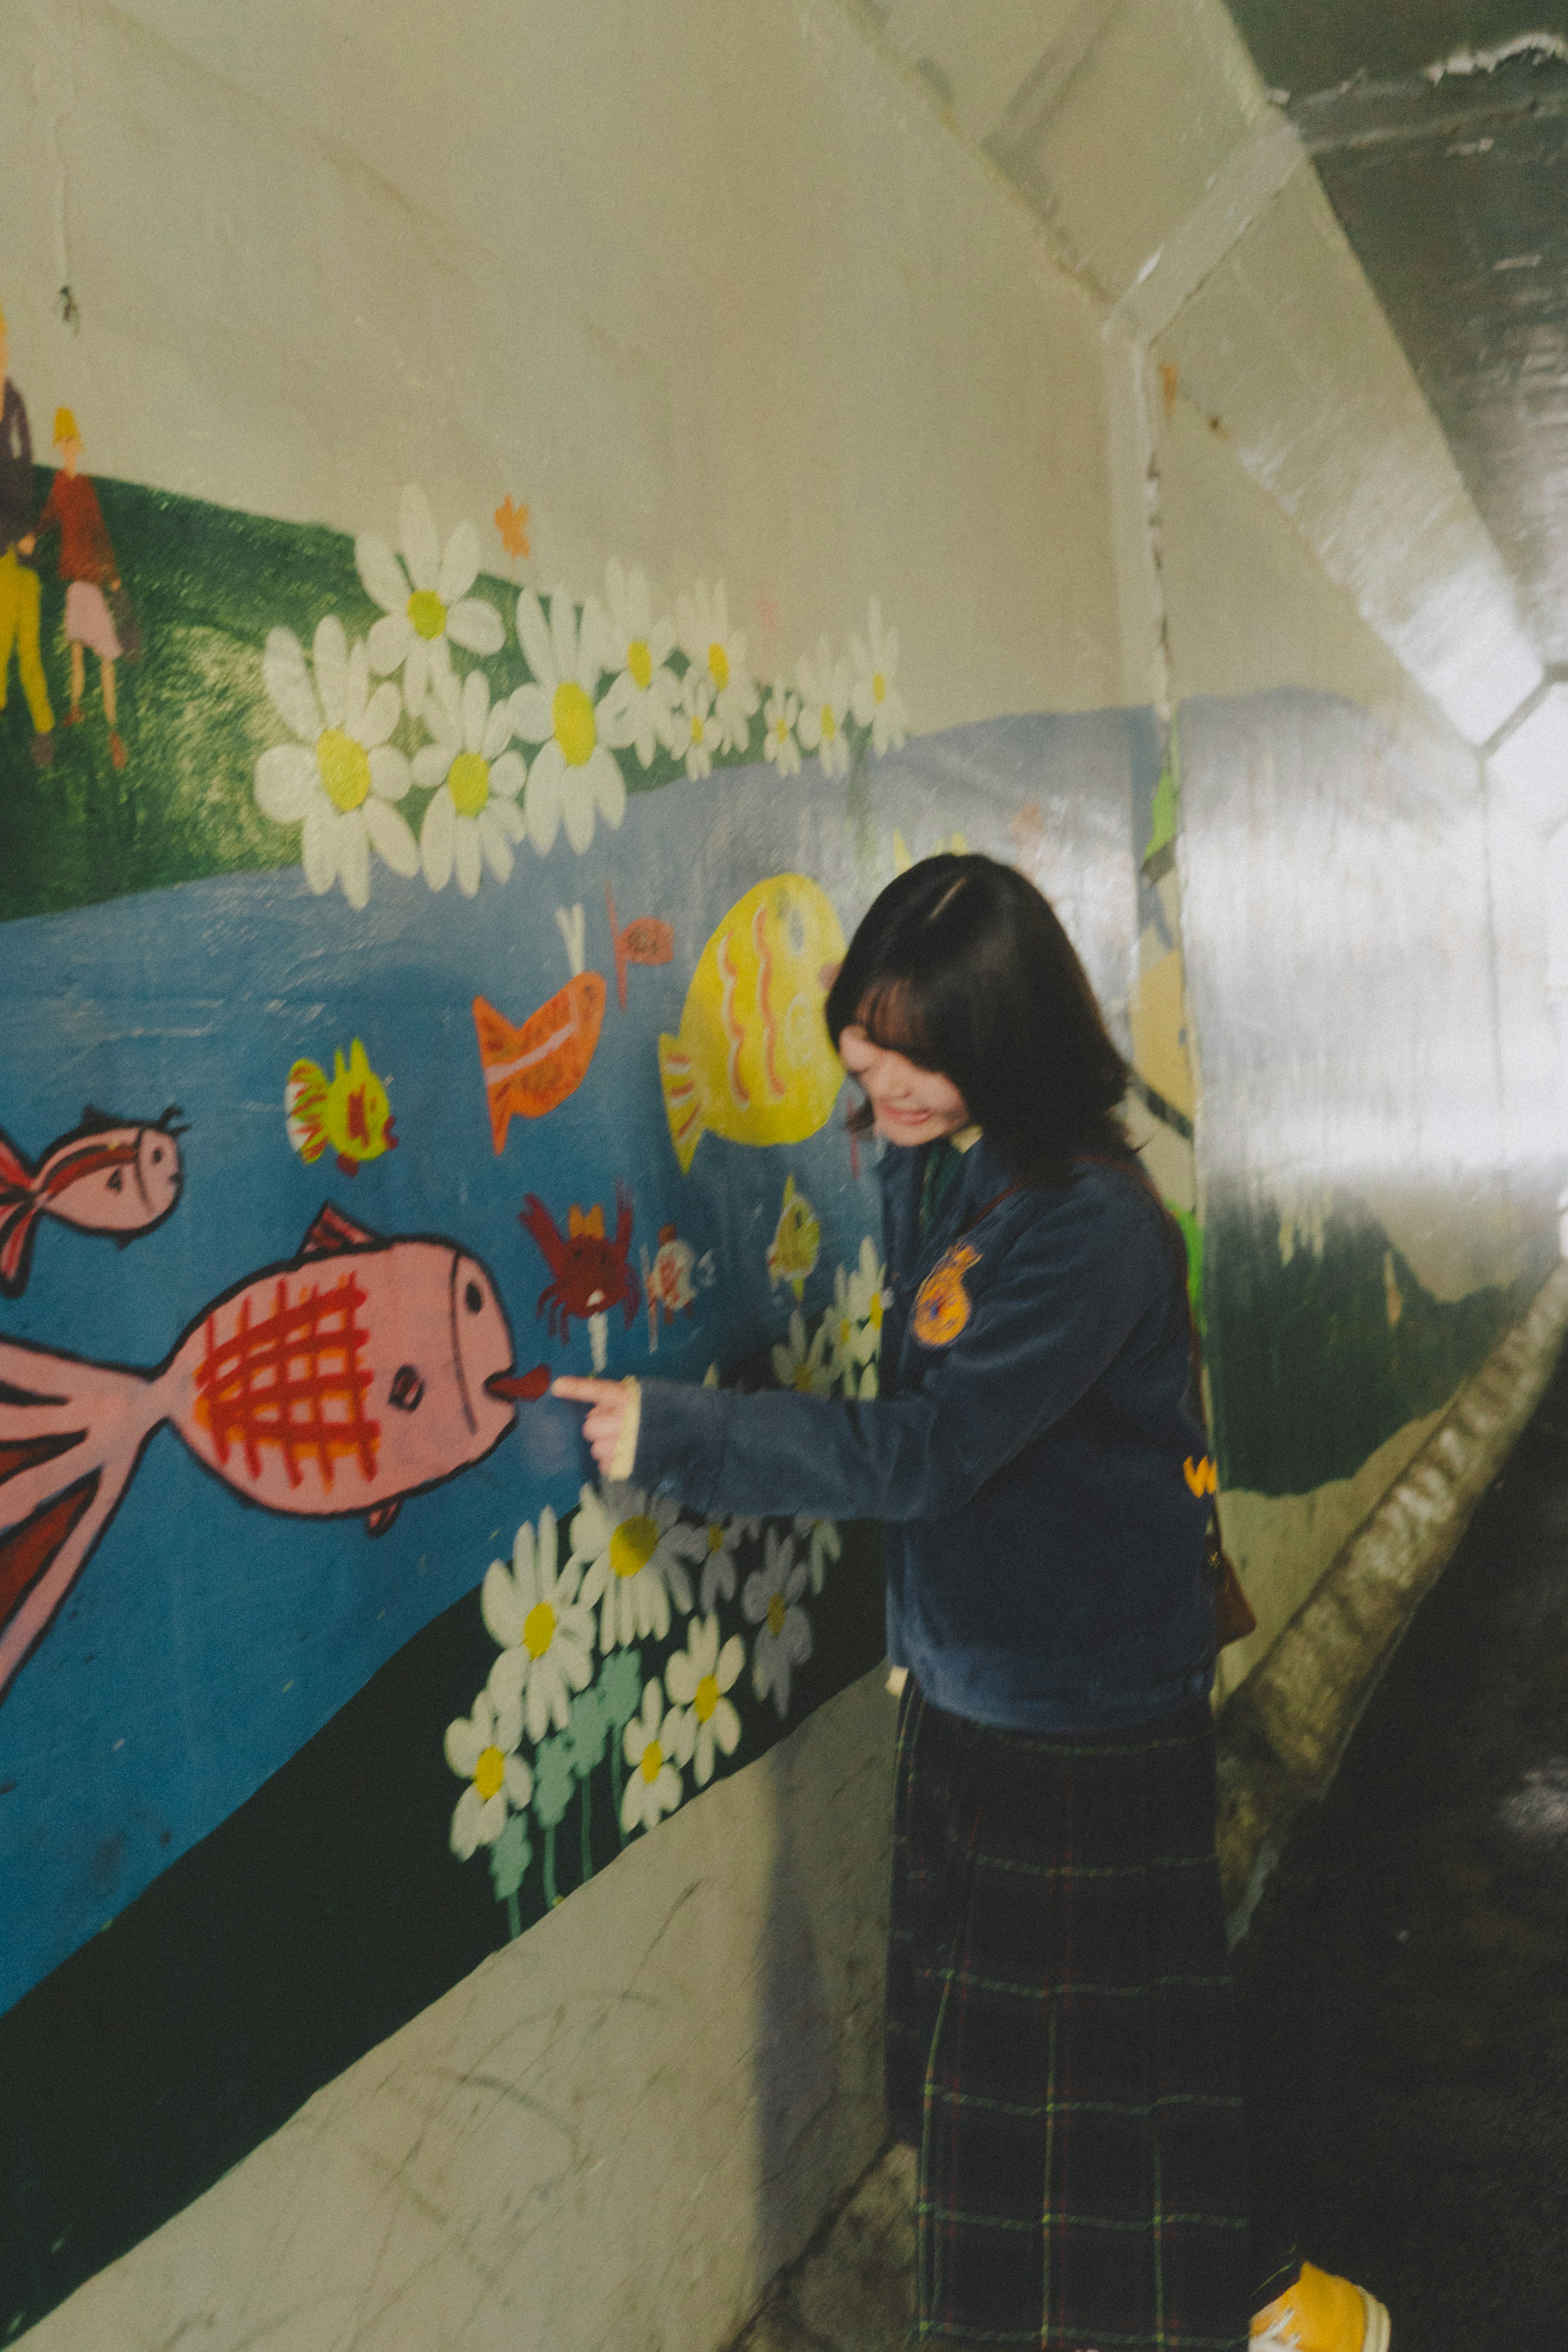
206 1640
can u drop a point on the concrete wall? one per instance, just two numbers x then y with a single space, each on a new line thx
1037 329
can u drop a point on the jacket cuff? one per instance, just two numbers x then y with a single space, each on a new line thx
680 1440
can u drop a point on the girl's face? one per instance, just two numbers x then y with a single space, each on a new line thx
908 1104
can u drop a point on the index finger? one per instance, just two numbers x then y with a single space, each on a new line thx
582 1392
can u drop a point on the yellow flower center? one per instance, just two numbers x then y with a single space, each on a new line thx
632 1546
427 613
706 1698
829 724
718 666
640 662
878 686
468 781
652 1763
715 1536
802 1380
777 1612
538 1629
345 768
489 1772
571 715
846 1331
696 727
874 1314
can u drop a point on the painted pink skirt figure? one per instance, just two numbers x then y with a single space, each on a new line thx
87 567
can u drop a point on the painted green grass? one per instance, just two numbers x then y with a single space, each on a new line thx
1310 1373
207 584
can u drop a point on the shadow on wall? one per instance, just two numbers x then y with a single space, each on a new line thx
797 2072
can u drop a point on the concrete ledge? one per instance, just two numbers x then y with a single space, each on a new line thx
1282 1733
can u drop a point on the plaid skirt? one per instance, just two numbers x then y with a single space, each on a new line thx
1061 2038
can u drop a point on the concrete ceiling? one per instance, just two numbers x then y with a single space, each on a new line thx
1439 129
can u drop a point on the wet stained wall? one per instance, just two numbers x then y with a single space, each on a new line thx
720 294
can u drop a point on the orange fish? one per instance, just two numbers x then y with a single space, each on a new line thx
645 940
363 1371
528 1071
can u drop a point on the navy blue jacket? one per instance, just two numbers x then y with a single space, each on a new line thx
1033 1451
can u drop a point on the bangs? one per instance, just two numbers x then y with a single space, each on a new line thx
894 1016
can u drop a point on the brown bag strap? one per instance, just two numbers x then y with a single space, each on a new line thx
994 1202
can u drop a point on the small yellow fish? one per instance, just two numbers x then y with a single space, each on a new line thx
350 1112
796 1240
753 1060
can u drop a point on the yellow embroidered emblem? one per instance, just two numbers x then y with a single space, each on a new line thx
1201 1477
942 1305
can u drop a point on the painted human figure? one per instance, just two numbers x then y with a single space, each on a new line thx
87 567
19 591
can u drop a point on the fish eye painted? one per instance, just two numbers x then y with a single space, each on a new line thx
473 1299
117 1180
407 1387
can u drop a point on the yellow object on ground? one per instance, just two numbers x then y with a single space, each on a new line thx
1321 2314
20 597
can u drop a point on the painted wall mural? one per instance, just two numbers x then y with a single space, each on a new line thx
293 1545
440 965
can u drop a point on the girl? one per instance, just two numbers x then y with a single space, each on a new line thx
1062 2046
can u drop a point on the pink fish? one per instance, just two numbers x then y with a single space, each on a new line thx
111 1176
360 1372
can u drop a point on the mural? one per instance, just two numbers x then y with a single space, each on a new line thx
329 855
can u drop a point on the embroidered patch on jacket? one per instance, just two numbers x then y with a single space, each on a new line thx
1201 1477
942 1305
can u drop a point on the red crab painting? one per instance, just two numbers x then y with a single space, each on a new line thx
592 1275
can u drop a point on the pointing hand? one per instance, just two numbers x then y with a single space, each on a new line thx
609 1402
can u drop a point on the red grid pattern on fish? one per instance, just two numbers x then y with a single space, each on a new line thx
276 1382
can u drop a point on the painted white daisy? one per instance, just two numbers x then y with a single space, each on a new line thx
425 598
474 819
338 783
629 1541
699 1676
843 1329
824 687
711 645
651 1744
481 1750
712 1548
639 702
770 1598
575 775
823 1543
867 1286
544 1630
778 743
697 737
797 1366
873 698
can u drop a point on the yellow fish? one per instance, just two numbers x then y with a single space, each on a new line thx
350 1111
753 1060
796 1240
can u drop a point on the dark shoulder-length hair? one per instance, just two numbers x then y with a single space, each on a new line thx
961 966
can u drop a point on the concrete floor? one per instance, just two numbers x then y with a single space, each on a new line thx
1404 1986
